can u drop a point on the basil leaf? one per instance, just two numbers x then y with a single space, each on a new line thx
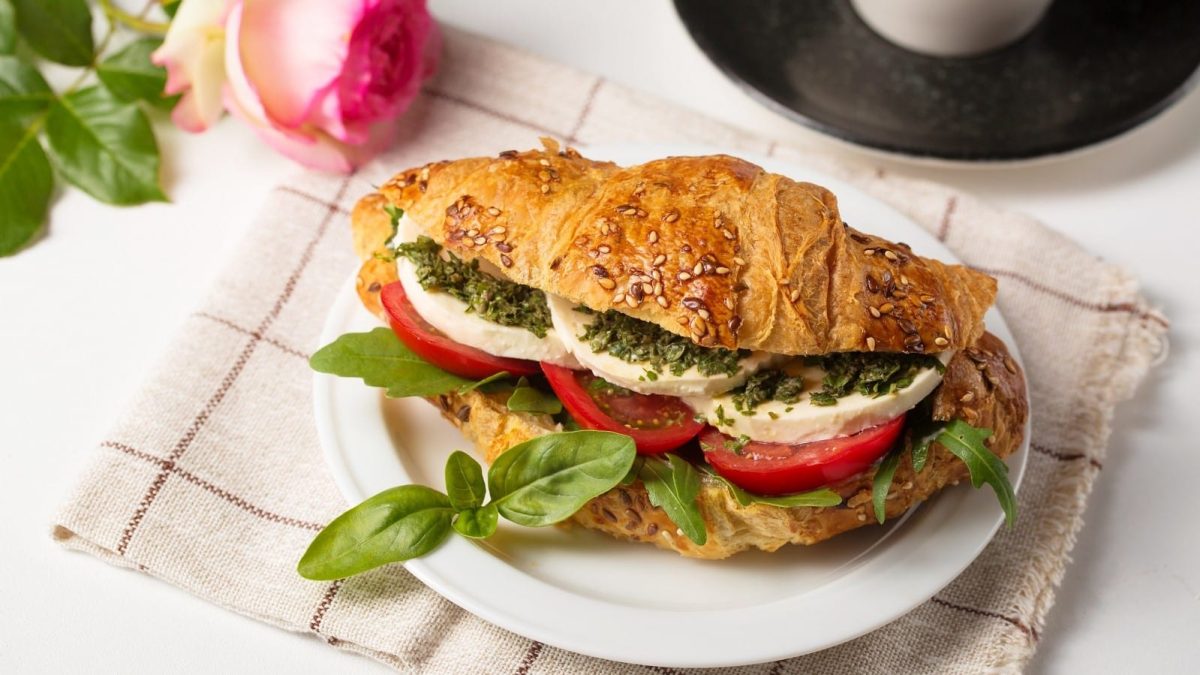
26 182
464 481
674 485
398 524
548 478
23 90
479 523
60 30
812 498
883 482
8 28
967 443
485 381
105 147
631 476
526 398
380 359
130 75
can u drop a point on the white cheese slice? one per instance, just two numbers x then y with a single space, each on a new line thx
802 422
450 316
570 324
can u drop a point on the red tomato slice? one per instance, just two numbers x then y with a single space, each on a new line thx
780 469
429 343
656 423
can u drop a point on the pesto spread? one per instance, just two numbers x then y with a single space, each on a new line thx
867 373
497 300
644 343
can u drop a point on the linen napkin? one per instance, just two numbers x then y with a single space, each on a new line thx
214 480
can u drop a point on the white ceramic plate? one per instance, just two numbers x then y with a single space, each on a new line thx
588 593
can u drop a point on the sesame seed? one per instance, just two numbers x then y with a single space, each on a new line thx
889 255
729 303
658 288
683 320
662 301
632 301
544 162
868 251
605 248
499 229
870 344
940 341
425 173
697 269
606 283
506 260
472 233
927 298
672 216
738 260
862 517
704 314
967 397
659 259
480 241
785 282
684 276
722 270
886 308
874 312
698 326
493 211
618 298
653 238
656 275
729 235
641 213
545 188
544 176
903 279
470 243
1008 365
794 295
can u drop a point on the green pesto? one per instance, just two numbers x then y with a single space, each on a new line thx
767 385
497 300
641 342
868 373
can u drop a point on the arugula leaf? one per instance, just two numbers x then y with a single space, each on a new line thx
397 524
60 30
527 398
812 498
548 478
477 523
485 381
464 481
883 482
131 76
105 147
380 359
26 181
967 443
23 90
8 28
674 485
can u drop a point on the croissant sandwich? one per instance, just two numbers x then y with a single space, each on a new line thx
782 376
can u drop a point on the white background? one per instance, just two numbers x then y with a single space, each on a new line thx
84 313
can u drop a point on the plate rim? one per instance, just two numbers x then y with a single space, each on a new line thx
428 570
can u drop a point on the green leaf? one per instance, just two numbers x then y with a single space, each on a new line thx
477 523
26 182
527 398
381 360
8 28
674 485
105 147
23 90
548 478
812 498
922 430
967 443
494 377
60 30
397 524
130 75
169 7
464 481
883 482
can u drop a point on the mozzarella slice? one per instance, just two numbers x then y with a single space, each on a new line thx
450 316
802 422
570 324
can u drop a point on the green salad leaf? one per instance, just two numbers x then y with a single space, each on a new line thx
673 485
548 478
883 482
968 444
527 398
812 498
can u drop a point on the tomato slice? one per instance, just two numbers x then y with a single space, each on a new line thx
780 468
656 423
431 345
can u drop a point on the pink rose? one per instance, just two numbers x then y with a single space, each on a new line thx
193 53
323 81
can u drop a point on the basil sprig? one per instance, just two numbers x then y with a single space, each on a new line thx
540 482
673 485
964 441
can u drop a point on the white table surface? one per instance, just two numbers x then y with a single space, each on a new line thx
86 311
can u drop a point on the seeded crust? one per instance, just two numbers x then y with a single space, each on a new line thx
711 248
982 385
